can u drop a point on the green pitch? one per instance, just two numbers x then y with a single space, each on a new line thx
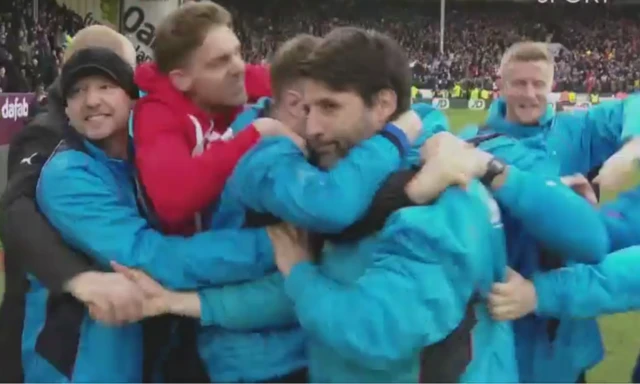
621 332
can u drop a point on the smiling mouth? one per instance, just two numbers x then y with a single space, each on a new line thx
96 117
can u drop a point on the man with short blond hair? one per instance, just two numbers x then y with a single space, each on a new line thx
556 144
32 246
194 90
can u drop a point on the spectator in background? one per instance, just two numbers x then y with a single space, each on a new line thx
30 46
39 103
3 79
596 50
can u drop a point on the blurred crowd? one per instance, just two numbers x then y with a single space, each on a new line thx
31 48
596 45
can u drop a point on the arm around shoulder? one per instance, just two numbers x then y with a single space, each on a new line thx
276 177
70 187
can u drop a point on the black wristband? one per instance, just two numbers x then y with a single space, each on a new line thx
495 167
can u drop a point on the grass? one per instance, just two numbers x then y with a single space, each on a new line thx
621 332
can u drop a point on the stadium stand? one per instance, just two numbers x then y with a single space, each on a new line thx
596 45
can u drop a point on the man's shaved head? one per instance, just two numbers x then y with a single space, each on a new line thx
103 37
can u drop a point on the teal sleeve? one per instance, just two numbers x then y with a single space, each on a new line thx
622 219
94 215
405 299
277 178
585 291
607 126
248 306
554 215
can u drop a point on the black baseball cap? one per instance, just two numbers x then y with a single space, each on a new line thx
97 61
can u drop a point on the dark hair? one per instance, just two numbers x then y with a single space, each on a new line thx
286 62
182 31
362 61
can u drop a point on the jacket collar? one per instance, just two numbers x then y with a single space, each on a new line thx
497 121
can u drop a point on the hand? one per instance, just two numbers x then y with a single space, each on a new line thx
580 185
620 172
290 246
110 297
512 299
410 123
156 299
267 127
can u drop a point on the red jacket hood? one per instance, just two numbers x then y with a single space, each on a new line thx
157 86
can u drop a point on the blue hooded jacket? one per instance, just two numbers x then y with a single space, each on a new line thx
520 193
235 343
338 355
90 198
562 144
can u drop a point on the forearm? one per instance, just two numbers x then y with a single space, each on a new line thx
581 290
235 306
554 215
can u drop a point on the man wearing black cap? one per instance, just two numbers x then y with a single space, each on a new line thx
99 91
60 342
31 245
87 191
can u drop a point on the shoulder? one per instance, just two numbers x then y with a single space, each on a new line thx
65 163
36 141
454 206
437 226
489 141
469 132
245 117
151 115
266 152
44 128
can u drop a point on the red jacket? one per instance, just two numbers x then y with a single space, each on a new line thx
183 154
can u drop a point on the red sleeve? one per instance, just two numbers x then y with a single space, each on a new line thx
257 82
178 184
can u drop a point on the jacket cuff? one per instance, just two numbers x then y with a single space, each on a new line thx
206 310
265 247
300 275
548 303
509 191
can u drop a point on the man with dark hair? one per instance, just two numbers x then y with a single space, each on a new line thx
405 290
377 295
287 104
371 306
270 346
386 294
